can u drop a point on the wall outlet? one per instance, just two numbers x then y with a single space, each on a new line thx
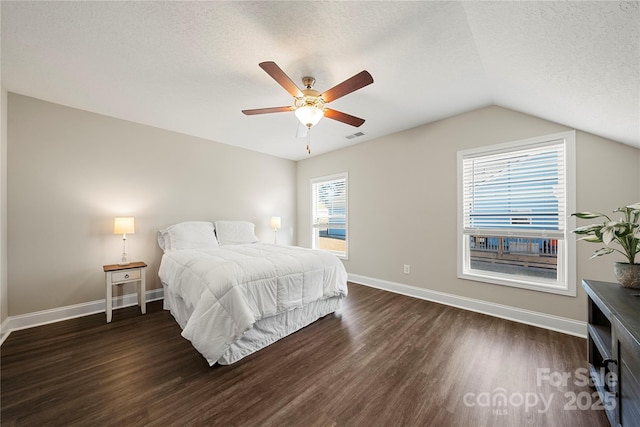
407 269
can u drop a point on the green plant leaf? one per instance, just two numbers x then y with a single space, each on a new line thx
614 230
608 235
588 229
625 232
591 239
588 215
601 251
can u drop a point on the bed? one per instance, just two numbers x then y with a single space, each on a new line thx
233 296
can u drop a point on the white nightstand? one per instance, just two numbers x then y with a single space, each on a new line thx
116 274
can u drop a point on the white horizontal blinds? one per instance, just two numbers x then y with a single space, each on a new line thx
516 193
330 202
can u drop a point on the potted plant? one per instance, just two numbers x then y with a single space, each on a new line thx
625 233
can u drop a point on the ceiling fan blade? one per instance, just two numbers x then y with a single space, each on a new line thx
279 76
352 84
267 110
343 117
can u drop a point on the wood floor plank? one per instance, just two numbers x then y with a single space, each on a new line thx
382 360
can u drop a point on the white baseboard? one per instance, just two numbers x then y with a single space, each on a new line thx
30 320
4 330
541 320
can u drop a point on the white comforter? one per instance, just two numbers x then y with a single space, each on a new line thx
232 287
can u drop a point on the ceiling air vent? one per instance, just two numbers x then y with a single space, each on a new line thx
355 135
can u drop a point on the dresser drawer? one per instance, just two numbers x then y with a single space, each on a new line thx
124 276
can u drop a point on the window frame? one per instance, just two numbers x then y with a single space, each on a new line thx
566 264
314 227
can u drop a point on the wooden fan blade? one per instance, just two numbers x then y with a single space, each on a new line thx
343 117
279 76
267 110
352 84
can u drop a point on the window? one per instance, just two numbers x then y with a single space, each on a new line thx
514 206
329 214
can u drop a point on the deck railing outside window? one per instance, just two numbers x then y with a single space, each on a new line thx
529 256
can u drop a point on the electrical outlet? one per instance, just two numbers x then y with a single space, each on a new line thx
407 269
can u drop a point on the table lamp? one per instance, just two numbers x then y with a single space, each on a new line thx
124 226
275 224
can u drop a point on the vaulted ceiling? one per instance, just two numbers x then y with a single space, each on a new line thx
191 67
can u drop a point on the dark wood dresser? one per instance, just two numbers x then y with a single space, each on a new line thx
614 349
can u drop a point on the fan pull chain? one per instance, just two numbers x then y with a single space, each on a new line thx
309 141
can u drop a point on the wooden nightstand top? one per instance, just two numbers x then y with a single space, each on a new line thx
116 267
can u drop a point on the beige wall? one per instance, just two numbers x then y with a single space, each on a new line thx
4 299
402 203
70 172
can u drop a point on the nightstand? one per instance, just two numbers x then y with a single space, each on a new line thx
116 274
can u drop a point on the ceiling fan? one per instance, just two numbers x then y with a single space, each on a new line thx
308 103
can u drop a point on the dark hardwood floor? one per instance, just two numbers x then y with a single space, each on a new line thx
382 360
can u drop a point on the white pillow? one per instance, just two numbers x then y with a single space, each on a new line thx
163 240
188 235
235 232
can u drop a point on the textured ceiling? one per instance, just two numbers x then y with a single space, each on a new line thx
191 67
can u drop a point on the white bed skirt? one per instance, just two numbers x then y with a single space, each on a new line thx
264 332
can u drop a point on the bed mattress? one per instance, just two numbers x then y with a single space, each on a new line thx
231 301
262 333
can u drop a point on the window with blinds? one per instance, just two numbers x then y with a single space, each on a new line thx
329 214
513 213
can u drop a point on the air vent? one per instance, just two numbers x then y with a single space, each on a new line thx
355 135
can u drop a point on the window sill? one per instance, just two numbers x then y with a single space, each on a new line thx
539 285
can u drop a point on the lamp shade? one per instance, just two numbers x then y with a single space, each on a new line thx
275 222
309 116
123 225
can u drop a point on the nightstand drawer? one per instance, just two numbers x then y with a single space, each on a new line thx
122 276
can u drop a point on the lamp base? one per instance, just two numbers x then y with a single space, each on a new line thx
124 260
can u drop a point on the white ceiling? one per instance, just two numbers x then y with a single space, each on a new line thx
191 67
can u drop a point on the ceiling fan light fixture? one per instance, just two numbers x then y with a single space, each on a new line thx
309 115
308 104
